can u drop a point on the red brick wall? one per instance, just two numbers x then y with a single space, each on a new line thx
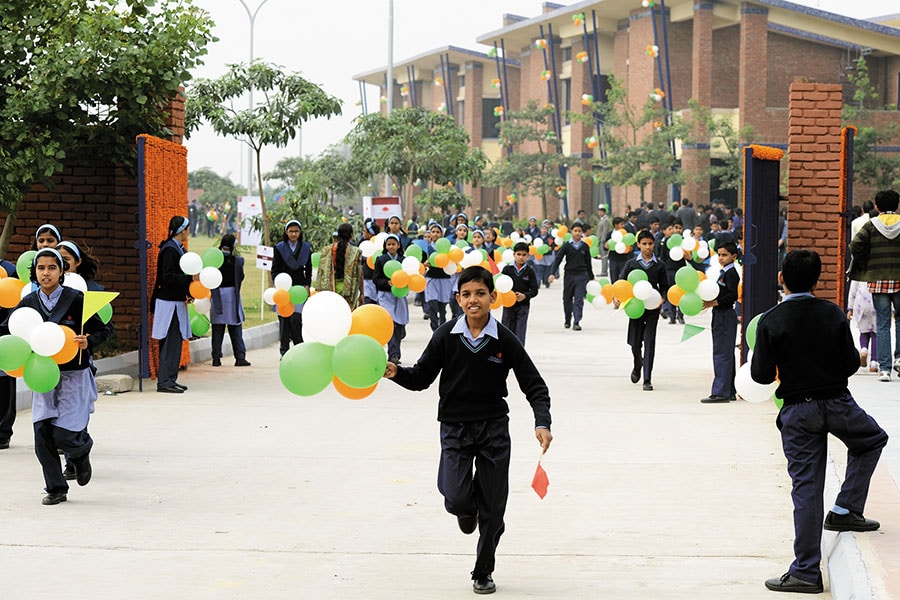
790 58
814 176
727 50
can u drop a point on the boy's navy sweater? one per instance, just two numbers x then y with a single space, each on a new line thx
578 260
728 281
525 281
474 387
808 341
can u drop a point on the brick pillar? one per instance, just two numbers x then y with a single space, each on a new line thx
473 119
695 157
175 117
814 176
753 60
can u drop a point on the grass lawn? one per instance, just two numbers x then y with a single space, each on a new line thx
252 288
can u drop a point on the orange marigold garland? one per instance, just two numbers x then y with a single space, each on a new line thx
165 190
846 172
766 152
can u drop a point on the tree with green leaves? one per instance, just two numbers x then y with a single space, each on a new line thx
871 166
533 165
288 101
728 140
85 77
415 145
340 177
216 189
636 141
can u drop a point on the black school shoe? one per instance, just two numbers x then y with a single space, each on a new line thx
484 585
241 362
4 444
713 399
53 498
172 389
635 375
467 523
83 471
648 387
849 522
69 472
789 583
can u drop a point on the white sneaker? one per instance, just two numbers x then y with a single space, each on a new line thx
884 376
897 365
873 366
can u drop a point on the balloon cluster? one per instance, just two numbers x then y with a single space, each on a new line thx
652 50
506 297
438 81
648 3
621 241
284 295
492 52
409 275
341 348
657 94
587 99
495 82
498 111
688 248
207 267
442 107
546 75
512 198
540 44
582 57
578 19
34 349
592 141
691 289
746 387
634 293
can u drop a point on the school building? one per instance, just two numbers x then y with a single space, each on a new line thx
736 58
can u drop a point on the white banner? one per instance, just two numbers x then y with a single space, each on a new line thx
248 206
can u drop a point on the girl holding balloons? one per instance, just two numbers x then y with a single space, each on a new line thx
395 305
293 256
226 307
80 264
60 414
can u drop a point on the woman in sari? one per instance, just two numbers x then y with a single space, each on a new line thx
340 268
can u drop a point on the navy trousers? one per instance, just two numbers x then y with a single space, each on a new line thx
169 356
49 437
487 445
642 333
724 332
804 437
290 329
515 318
574 287
437 313
235 333
7 406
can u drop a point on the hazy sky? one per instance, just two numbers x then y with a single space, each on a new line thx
328 47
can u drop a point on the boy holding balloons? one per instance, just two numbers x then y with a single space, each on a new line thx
525 284
724 326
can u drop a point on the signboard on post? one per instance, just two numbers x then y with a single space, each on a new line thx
248 206
381 208
264 257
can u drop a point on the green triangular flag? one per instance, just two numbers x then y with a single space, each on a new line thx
690 331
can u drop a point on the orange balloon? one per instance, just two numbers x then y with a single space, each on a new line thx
498 255
282 297
607 292
417 283
69 349
352 393
497 302
505 242
622 290
532 250
10 291
508 299
562 231
400 278
422 268
589 241
701 275
16 372
441 260
456 254
374 321
3 273
674 294
370 260
285 310
199 291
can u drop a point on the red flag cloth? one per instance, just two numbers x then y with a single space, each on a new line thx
494 269
541 482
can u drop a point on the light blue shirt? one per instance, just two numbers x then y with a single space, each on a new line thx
462 327
798 296
50 301
646 263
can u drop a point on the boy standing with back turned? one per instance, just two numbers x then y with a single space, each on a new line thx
806 342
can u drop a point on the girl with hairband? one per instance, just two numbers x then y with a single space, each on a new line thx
61 415
169 305
293 256
80 262
227 309
397 307
394 225
438 289
46 236
490 241
370 230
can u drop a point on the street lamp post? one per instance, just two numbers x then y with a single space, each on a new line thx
252 17
389 80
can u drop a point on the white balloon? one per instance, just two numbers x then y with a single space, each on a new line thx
283 281
514 236
47 338
688 243
526 238
708 289
26 289
326 318
598 302
503 283
654 301
509 257
268 296
593 288
75 281
558 240
501 265
703 252
616 235
554 232
378 240
23 321
203 305
410 265
211 277
367 248
621 247
676 253
643 290
450 269
750 390
537 242
191 263
470 259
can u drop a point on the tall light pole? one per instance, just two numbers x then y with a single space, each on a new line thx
389 80
252 17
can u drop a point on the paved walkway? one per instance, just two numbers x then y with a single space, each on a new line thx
238 489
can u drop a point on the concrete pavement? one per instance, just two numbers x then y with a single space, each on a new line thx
237 489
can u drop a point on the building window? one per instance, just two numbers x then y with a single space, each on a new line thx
566 98
460 113
490 123
567 53
462 81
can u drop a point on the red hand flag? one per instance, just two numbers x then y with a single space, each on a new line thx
541 482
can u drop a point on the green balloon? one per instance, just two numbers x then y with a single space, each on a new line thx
199 325
544 249
567 237
634 308
691 304
712 245
595 251
779 402
359 360
192 311
414 251
462 243
442 246
41 373
105 313
604 281
298 294
400 292
431 259
750 332
391 267
23 265
595 241
687 279
674 241
484 254
637 275
628 239
588 298
306 369
315 258
14 351
213 257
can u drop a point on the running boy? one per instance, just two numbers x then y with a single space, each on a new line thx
526 286
724 326
474 355
577 255
807 343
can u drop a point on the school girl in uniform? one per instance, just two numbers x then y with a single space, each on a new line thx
60 416
370 230
227 309
397 307
460 233
438 290
46 236
168 303
293 256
